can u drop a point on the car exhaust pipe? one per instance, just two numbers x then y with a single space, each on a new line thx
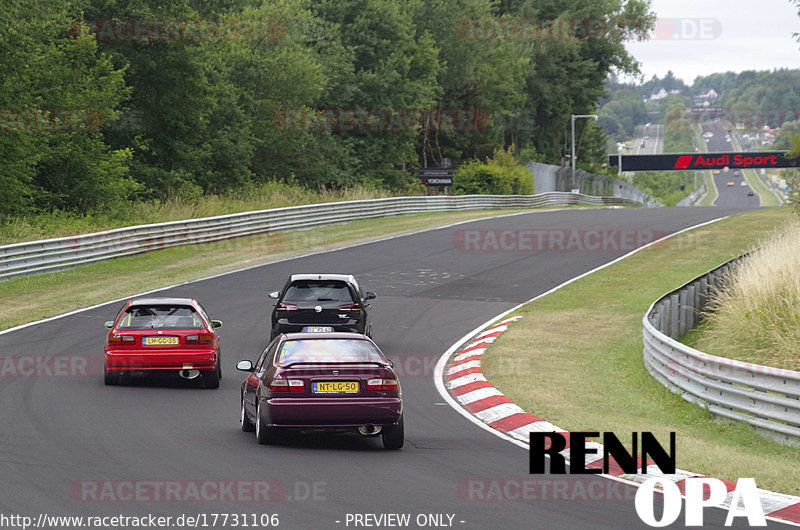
369 430
189 374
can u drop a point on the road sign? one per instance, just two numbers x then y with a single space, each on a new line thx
697 161
436 176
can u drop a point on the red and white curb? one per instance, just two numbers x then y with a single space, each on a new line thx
467 386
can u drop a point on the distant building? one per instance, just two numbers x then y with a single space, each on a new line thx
655 96
706 97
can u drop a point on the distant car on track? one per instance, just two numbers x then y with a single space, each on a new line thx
151 336
730 183
750 193
321 303
322 381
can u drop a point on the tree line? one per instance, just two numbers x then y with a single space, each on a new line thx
104 102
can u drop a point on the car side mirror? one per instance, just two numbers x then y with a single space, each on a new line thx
244 366
110 324
370 295
216 324
391 362
274 294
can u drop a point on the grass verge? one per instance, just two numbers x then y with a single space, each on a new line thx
708 178
711 186
254 197
576 359
756 318
28 299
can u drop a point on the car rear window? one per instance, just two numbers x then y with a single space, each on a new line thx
160 317
318 291
328 351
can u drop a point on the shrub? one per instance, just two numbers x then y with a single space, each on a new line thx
501 175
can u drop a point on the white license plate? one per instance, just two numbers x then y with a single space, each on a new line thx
160 341
335 387
317 329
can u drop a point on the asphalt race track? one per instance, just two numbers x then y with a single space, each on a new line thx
63 436
735 195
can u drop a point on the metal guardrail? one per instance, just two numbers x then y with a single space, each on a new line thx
693 197
767 398
559 178
24 259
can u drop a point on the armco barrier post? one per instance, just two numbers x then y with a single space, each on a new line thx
691 305
683 301
666 320
674 316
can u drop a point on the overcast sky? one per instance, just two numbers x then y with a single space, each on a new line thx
699 37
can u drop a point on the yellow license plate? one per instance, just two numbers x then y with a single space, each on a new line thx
160 341
335 387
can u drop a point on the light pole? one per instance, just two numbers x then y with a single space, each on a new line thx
620 146
573 139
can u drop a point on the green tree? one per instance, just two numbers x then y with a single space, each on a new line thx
789 130
481 76
284 77
59 160
389 67
623 111
571 64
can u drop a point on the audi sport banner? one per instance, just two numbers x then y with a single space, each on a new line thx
698 161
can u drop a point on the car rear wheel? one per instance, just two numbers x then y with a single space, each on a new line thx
110 379
264 435
211 379
247 425
393 437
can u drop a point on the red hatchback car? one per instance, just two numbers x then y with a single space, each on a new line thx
322 381
163 336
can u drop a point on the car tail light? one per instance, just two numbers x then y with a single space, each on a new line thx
287 307
287 385
350 307
121 340
385 385
200 340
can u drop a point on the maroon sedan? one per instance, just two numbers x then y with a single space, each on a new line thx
163 336
329 381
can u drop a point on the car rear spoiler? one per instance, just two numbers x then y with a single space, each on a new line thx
313 363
